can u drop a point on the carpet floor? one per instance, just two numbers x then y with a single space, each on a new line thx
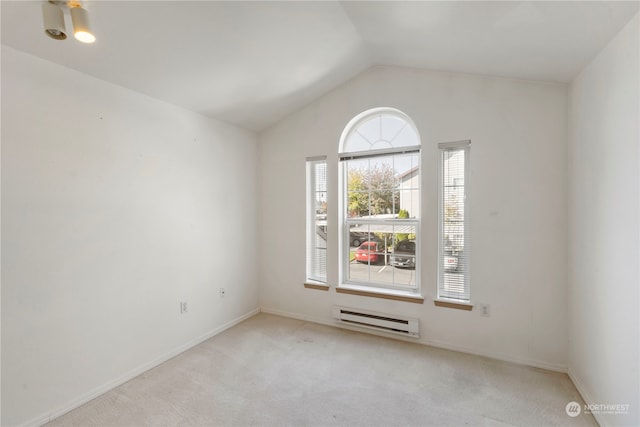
275 371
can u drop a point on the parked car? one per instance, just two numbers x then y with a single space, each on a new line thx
370 252
356 238
404 254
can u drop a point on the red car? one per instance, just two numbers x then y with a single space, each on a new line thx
370 252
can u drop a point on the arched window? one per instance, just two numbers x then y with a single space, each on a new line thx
380 200
379 129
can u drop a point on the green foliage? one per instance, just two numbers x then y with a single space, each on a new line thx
372 191
358 195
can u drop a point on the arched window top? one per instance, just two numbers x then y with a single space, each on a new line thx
379 129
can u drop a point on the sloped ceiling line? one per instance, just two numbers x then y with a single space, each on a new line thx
254 63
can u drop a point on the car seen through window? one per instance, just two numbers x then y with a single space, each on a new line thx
370 252
404 254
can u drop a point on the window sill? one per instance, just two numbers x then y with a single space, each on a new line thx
309 284
453 304
395 295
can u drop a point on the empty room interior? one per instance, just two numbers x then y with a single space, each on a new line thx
320 213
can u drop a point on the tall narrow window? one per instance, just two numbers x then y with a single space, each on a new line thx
453 260
380 201
317 219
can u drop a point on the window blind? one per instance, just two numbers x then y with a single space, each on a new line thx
453 259
317 219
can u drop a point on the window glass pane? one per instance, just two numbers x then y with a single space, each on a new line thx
408 185
382 181
382 203
382 174
406 138
404 164
370 129
358 204
388 258
373 187
358 191
360 234
357 142
396 206
391 127
409 201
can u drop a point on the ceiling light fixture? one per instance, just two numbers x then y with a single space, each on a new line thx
53 18
53 21
81 29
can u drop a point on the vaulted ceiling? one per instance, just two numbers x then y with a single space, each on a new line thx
253 63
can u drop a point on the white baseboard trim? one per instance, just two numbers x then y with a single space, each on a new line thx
297 316
499 356
92 394
587 397
432 343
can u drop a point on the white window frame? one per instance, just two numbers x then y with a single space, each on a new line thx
344 156
442 292
315 272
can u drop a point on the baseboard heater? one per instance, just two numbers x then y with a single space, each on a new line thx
407 326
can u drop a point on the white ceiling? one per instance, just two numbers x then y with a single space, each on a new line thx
253 63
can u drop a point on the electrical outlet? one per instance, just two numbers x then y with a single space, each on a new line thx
222 292
485 310
183 307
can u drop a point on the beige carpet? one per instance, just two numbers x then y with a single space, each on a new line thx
274 371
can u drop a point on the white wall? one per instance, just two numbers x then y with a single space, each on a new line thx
518 207
115 207
604 232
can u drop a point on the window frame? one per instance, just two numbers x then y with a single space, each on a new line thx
465 147
345 156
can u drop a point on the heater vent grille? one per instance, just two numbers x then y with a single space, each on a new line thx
401 325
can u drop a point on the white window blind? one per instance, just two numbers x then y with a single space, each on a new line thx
453 245
317 219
